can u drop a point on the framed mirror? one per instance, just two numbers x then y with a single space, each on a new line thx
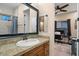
18 19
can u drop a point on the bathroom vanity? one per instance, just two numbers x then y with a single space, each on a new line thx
8 47
24 21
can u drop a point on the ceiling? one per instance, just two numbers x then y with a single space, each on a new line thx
71 8
9 5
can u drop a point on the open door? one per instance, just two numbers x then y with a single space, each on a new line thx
69 28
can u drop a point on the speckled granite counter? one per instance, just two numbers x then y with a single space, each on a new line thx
10 48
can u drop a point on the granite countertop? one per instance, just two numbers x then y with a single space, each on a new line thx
10 49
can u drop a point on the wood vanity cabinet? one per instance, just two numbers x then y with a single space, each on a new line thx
42 50
46 47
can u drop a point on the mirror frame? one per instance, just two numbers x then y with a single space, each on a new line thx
37 31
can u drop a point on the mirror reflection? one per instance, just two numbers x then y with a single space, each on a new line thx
17 18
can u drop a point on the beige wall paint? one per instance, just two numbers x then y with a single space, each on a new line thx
72 16
78 8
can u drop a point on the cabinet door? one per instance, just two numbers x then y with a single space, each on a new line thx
38 51
46 46
42 50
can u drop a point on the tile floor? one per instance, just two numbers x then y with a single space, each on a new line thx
62 49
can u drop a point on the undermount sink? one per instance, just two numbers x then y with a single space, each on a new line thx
28 42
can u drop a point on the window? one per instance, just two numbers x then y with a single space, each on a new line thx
5 18
58 24
61 24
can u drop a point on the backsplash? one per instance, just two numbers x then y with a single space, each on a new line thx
9 40
14 39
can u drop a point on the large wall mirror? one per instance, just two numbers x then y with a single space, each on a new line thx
17 18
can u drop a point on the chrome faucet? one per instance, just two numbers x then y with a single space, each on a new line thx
25 37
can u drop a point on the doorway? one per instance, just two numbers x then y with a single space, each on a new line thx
63 31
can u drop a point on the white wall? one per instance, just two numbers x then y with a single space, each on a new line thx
72 16
6 11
